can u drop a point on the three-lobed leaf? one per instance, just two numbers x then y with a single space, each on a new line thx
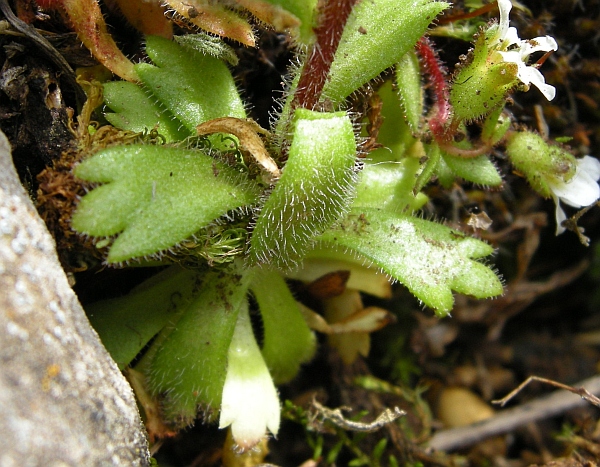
430 259
193 86
183 88
155 197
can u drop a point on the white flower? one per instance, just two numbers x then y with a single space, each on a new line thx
581 190
507 37
250 403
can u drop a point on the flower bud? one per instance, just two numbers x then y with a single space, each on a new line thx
542 164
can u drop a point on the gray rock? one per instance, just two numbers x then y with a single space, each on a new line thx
63 401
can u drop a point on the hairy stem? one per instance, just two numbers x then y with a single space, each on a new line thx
437 78
332 19
442 110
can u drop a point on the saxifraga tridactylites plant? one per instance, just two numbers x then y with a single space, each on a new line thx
239 208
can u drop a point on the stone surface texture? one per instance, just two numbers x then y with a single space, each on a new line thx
63 401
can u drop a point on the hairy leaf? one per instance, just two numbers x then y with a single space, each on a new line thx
190 361
126 324
193 86
184 88
377 36
288 341
133 110
209 45
214 18
430 259
314 190
477 169
156 196
87 20
410 89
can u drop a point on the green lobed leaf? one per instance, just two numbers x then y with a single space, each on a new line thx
315 189
126 324
376 37
190 363
193 86
430 259
288 342
156 197
132 109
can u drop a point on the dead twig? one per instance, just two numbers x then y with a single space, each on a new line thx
580 391
336 417
571 223
508 420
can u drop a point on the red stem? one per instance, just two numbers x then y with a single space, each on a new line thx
442 110
332 19
436 73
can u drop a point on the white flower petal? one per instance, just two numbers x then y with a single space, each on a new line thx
512 56
590 166
588 194
504 6
560 216
547 90
582 189
250 403
504 35
511 37
531 75
508 36
541 44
